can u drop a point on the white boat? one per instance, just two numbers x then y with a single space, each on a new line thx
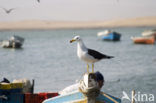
13 42
149 33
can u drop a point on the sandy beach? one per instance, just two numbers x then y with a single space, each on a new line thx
42 24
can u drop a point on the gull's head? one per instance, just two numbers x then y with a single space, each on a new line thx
76 38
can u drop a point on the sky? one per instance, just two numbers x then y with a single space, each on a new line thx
76 10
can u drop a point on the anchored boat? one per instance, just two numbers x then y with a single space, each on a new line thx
13 42
143 40
109 35
88 91
149 33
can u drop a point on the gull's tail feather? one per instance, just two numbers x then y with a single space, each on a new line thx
109 57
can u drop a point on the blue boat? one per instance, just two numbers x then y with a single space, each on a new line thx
109 35
78 97
114 36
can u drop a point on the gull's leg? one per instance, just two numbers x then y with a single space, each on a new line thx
87 68
92 68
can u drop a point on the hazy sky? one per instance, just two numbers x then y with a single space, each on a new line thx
76 10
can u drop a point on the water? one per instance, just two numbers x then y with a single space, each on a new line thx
49 58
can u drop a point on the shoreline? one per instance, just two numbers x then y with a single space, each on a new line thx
47 25
40 29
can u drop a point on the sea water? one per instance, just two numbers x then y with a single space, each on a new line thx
49 58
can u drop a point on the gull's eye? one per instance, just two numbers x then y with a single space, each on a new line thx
77 38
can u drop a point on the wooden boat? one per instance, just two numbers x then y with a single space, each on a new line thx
78 97
13 42
24 85
21 91
109 35
143 40
88 92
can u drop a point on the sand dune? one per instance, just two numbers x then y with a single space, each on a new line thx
38 24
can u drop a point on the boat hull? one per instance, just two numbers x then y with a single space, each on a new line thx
13 42
9 44
113 36
143 40
78 97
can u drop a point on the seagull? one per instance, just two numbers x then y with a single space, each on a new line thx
88 55
8 10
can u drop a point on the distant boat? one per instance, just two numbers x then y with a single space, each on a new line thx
109 35
149 33
143 40
13 42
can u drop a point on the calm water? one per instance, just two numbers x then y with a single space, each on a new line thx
49 58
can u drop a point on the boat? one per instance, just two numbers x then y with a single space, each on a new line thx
109 35
148 33
22 91
143 40
19 85
13 92
13 42
88 92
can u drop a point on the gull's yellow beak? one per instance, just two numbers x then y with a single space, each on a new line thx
72 40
